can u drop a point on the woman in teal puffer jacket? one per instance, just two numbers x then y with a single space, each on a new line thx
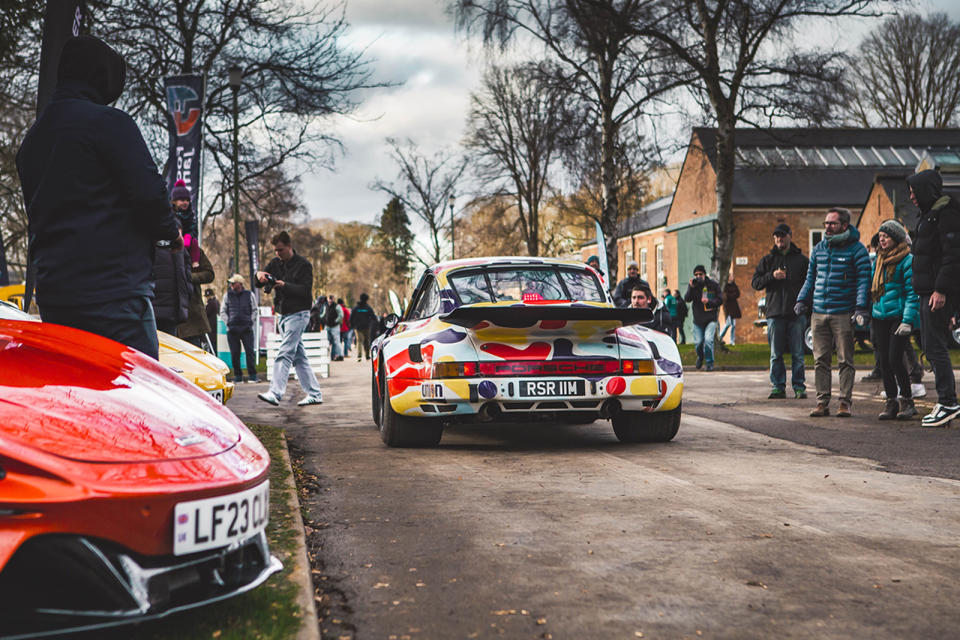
895 313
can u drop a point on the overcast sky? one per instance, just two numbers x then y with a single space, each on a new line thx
412 43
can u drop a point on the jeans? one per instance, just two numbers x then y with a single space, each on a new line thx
674 321
830 329
731 324
291 327
130 321
890 348
346 339
703 337
363 343
935 329
333 337
785 335
236 339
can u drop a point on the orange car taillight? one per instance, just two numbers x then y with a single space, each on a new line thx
454 369
636 367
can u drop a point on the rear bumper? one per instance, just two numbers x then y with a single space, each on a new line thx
438 398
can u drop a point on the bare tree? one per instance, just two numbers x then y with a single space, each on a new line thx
906 73
741 76
516 131
295 72
600 60
423 186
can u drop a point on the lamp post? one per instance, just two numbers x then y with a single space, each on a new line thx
235 80
452 200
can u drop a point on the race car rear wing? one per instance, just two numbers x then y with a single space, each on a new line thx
526 315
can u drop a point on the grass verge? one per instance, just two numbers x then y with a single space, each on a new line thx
269 611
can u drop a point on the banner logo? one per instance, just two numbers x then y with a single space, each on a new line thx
179 101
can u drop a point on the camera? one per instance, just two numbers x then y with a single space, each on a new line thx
271 280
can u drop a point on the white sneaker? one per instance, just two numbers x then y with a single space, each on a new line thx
940 415
917 390
269 398
309 400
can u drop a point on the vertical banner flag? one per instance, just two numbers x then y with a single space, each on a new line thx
602 254
252 229
4 274
184 95
62 20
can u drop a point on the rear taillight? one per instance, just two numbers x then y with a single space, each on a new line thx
636 367
454 369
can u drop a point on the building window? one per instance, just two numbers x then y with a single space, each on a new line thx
816 235
661 276
643 263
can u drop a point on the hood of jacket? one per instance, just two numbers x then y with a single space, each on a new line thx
927 187
849 236
93 68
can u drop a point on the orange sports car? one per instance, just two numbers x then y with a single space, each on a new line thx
126 493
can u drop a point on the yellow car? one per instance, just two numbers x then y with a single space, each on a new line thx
196 365
193 363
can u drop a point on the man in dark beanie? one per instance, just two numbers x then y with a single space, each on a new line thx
936 279
95 202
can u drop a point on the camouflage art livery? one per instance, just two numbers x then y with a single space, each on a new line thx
514 339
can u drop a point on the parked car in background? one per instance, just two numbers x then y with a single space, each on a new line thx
125 492
513 339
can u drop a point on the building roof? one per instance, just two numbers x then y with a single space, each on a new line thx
820 167
649 217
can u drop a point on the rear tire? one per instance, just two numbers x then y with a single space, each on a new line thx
375 399
638 426
403 431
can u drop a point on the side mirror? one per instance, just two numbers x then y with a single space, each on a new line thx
391 321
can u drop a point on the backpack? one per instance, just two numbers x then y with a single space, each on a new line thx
331 318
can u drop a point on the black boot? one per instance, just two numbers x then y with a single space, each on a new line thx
907 410
890 412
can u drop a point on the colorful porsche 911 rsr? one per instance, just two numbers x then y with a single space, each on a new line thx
513 339
125 492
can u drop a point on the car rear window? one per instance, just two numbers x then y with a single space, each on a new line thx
525 284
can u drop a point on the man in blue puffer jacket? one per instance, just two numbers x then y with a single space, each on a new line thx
837 287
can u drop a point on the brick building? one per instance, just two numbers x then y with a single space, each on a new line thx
782 175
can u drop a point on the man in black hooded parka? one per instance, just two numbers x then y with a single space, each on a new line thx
96 203
936 279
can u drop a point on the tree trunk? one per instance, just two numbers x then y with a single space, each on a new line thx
608 177
724 228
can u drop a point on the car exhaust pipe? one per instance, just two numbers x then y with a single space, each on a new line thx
610 408
489 412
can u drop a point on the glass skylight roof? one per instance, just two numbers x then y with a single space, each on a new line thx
845 156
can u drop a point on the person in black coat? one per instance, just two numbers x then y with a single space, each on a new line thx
95 202
704 296
290 277
682 312
642 298
212 309
781 274
621 295
936 279
363 320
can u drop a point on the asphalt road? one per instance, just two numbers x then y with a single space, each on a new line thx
755 522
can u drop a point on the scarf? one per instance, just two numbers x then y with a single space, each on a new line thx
887 261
